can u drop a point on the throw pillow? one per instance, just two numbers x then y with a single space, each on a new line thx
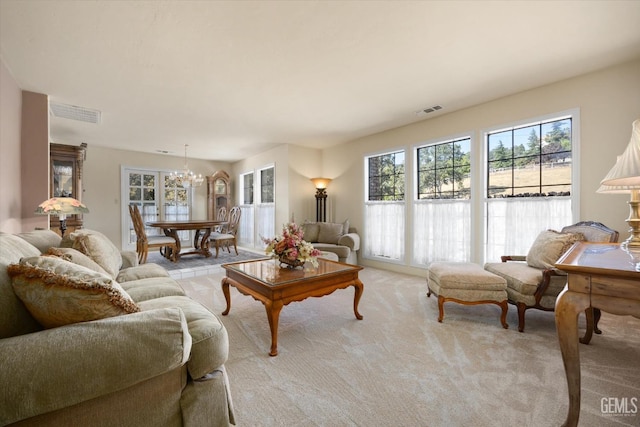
549 246
310 230
57 292
41 239
99 248
77 257
330 232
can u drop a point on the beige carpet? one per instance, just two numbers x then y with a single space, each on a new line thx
400 367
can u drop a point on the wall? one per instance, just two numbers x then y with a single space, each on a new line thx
10 117
609 101
102 189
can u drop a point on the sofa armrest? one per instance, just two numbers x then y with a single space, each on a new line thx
64 366
351 240
129 259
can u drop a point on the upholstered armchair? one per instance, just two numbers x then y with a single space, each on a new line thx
534 282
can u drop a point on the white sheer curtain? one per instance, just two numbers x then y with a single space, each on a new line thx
384 234
513 224
441 231
245 228
265 222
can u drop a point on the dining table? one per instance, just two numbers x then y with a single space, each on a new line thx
202 227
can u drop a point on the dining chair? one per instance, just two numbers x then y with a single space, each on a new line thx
226 238
221 216
167 245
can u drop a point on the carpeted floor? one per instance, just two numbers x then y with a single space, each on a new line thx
400 367
199 261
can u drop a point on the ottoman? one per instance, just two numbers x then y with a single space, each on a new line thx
468 284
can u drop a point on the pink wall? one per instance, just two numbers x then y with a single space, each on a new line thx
10 190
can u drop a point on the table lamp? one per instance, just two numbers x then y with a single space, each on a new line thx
61 206
624 177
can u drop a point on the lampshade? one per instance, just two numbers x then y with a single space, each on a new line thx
625 174
61 206
321 182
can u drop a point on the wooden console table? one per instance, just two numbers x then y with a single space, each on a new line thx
600 275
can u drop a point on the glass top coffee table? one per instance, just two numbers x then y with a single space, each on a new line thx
276 287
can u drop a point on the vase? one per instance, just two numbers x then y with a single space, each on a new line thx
289 263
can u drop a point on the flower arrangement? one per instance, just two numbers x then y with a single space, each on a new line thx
290 248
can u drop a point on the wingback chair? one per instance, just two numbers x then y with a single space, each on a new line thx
534 282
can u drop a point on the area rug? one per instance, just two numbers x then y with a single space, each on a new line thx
400 367
200 261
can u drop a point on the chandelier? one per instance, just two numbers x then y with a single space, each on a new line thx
186 178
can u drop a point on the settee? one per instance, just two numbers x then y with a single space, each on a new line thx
337 238
88 337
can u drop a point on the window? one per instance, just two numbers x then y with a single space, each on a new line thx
442 206
266 185
247 188
385 206
529 183
246 227
265 210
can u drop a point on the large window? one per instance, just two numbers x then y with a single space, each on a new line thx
246 227
442 207
265 211
529 180
385 206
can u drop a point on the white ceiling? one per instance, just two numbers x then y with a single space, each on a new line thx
232 79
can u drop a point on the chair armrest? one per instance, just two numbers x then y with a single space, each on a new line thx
59 367
129 259
506 258
351 240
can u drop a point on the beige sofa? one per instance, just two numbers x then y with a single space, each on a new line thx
337 238
158 360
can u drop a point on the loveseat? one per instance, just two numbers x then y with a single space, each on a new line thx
88 337
337 238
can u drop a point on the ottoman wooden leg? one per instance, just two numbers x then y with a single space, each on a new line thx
503 317
440 308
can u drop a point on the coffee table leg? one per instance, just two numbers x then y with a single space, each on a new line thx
273 314
359 287
227 295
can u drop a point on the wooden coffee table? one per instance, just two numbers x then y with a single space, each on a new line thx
276 287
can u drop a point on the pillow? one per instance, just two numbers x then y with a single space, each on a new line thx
99 248
549 246
41 239
329 232
345 226
76 257
57 292
310 230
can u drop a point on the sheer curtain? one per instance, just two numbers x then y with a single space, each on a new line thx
265 222
384 234
245 228
441 231
513 224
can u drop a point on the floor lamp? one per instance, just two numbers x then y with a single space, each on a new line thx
61 206
321 198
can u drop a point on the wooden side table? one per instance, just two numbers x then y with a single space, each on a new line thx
600 275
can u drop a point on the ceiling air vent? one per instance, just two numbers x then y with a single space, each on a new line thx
429 110
73 112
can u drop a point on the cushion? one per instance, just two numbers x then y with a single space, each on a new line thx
58 292
76 257
310 230
41 239
330 232
549 246
99 248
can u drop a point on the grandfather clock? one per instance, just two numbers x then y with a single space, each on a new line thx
218 193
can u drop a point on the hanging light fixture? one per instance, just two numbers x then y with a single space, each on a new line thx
186 178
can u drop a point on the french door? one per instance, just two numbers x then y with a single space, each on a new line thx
158 199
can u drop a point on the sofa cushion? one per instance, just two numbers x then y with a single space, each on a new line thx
549 246
151 288
76 257
58 292
15 319
210 346
341 251
330 232
142 271
97 247
310 231
42 239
